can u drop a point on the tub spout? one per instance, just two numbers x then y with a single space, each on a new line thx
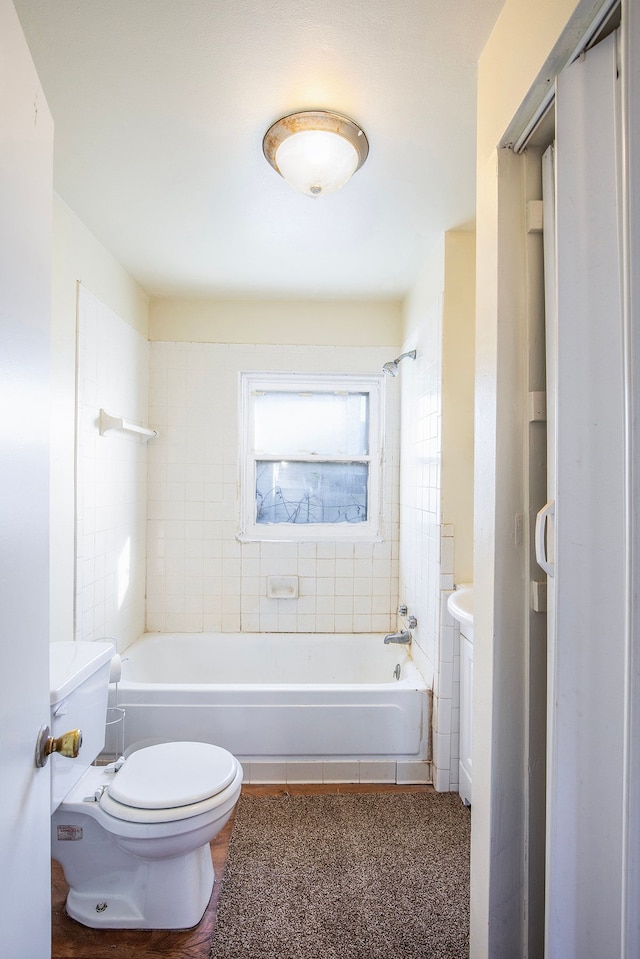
403 636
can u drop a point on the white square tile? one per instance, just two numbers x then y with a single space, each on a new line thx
411 772
363 568
344 551
250 568
340 772
381 606
324 587
377 772
266 772
304 772
447 555
344 568
307 585
455 720
362 605
325 605
442 750
306 606
442 716
444 680
325 568
446 619
252 586
447 635
362 586
343 605
326 551
441 780
363 550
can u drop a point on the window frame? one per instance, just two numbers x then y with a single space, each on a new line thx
369 530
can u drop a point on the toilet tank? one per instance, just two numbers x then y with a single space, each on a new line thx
79 686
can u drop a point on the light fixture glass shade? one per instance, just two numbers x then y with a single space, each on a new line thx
315 152
316 161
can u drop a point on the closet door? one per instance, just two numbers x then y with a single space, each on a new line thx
586 726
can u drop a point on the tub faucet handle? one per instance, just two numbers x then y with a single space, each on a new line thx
412 622
403 610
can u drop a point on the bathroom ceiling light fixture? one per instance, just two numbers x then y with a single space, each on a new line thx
316 152
391 368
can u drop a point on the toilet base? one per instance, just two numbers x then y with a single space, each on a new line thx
158 894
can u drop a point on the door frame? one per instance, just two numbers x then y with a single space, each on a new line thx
507 87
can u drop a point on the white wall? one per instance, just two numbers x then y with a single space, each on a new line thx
304 322
437 449
111 511
77 256
420 459
122 317
458 390
199 576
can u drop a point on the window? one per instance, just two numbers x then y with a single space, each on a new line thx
311 456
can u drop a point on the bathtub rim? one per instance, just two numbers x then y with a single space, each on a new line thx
419 674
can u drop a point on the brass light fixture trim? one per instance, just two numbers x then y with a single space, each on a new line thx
314 120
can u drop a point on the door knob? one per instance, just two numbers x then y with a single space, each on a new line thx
67 745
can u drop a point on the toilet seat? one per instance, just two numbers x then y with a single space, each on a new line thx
171 781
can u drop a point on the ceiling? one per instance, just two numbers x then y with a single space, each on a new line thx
160 107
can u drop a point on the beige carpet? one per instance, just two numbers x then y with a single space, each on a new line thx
364 876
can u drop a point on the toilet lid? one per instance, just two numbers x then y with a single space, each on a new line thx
172 774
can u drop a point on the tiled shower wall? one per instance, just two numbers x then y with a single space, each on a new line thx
427 546
199 576
111 477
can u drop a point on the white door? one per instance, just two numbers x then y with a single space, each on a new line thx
586 721
26 148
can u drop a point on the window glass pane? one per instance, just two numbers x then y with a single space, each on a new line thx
324 423
303 493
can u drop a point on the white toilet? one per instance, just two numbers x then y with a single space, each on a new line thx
132 837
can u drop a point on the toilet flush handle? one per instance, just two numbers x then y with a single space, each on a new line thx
67 745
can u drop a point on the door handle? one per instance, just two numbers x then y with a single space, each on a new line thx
67 745
542 520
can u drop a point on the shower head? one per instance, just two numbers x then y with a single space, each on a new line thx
391 368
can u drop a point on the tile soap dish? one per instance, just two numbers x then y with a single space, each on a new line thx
282 587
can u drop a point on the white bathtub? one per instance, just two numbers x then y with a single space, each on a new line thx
317 707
